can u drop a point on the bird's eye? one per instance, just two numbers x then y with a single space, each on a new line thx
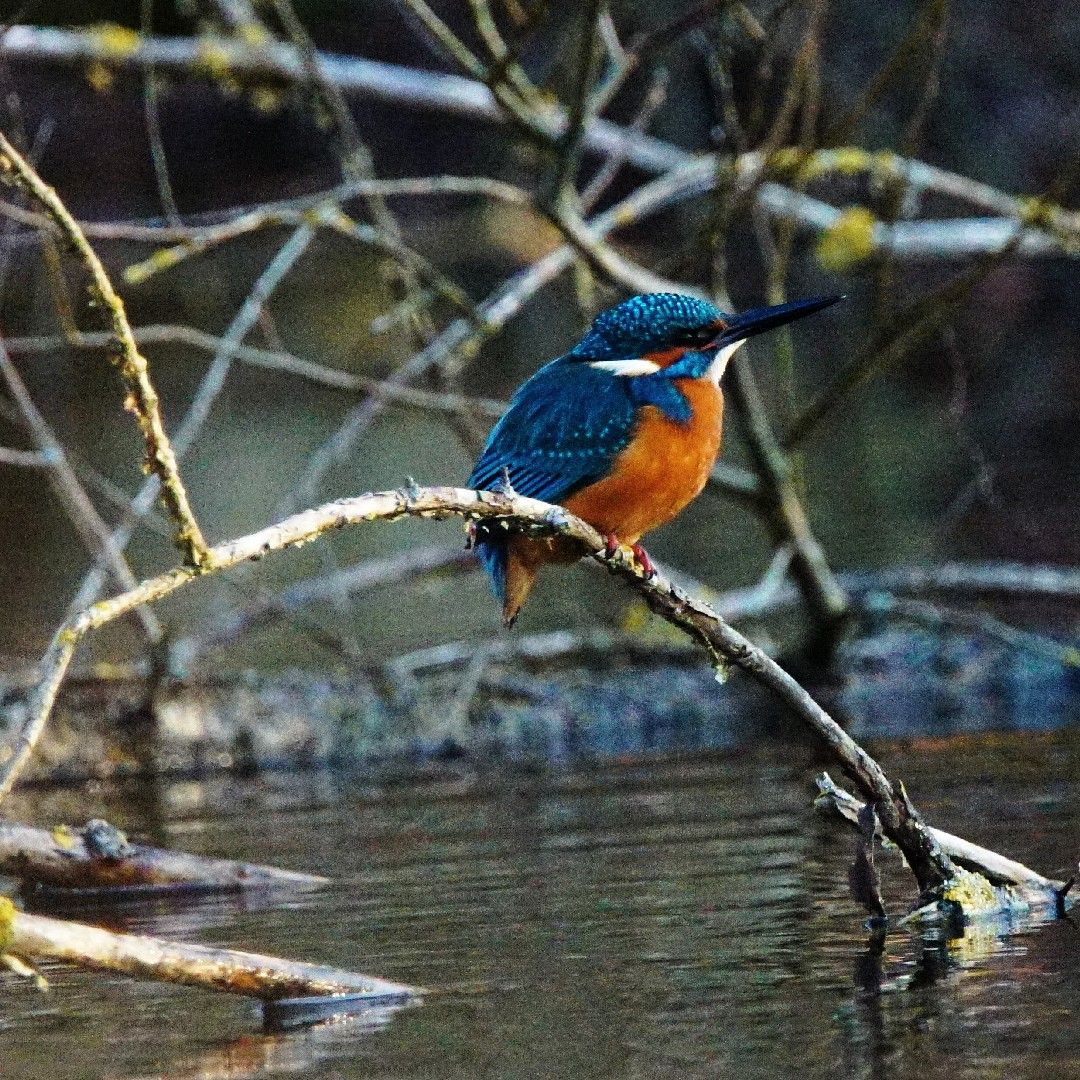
696 336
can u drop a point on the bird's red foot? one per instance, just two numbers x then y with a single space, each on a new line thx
611 545
644 561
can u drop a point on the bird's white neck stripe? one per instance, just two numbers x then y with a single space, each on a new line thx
636 366
641 366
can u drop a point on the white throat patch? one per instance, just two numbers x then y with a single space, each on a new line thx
720 363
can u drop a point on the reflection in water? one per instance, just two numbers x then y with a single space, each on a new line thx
682 918
263 1055
901 1004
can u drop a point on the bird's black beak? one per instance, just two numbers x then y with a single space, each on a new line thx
758 320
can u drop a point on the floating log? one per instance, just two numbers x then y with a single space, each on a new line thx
268 978
98 860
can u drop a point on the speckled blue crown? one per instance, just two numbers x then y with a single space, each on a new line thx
643 324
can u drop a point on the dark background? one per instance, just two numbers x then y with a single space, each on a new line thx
968 448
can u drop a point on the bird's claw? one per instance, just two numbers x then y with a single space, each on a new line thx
644 561
612 546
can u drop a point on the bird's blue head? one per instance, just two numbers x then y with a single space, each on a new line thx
652 323
666 326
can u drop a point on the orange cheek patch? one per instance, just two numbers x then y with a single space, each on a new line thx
665 357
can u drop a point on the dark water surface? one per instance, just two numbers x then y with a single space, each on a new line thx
645 919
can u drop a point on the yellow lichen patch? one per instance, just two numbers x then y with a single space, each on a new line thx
7 918
850 160
162 259
1037 211
978 898
885 163
213 59
971 891
848 241
114 39
790 161
254 34
101 77
63 836
266 99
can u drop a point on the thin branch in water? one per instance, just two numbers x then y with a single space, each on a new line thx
266 977
835 801
99 857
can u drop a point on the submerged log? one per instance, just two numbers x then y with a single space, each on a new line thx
267 978
98 858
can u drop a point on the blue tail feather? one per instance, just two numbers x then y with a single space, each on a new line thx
492 556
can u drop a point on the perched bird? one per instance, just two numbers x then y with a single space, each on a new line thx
623 430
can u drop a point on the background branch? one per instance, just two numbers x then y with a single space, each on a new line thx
143 399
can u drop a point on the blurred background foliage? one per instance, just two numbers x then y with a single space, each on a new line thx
967 448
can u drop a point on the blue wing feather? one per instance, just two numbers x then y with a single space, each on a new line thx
563 429
561 432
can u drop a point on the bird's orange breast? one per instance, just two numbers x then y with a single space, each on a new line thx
664 467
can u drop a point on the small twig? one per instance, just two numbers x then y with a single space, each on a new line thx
935 616
652 103
284 362
93 531
152 116
408 566
133 368
209 388
558 647
904 332
25 459
578 115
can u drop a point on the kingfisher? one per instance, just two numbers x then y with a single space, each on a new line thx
622 431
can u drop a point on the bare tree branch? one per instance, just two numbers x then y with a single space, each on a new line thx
899 819
946 239
142 400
